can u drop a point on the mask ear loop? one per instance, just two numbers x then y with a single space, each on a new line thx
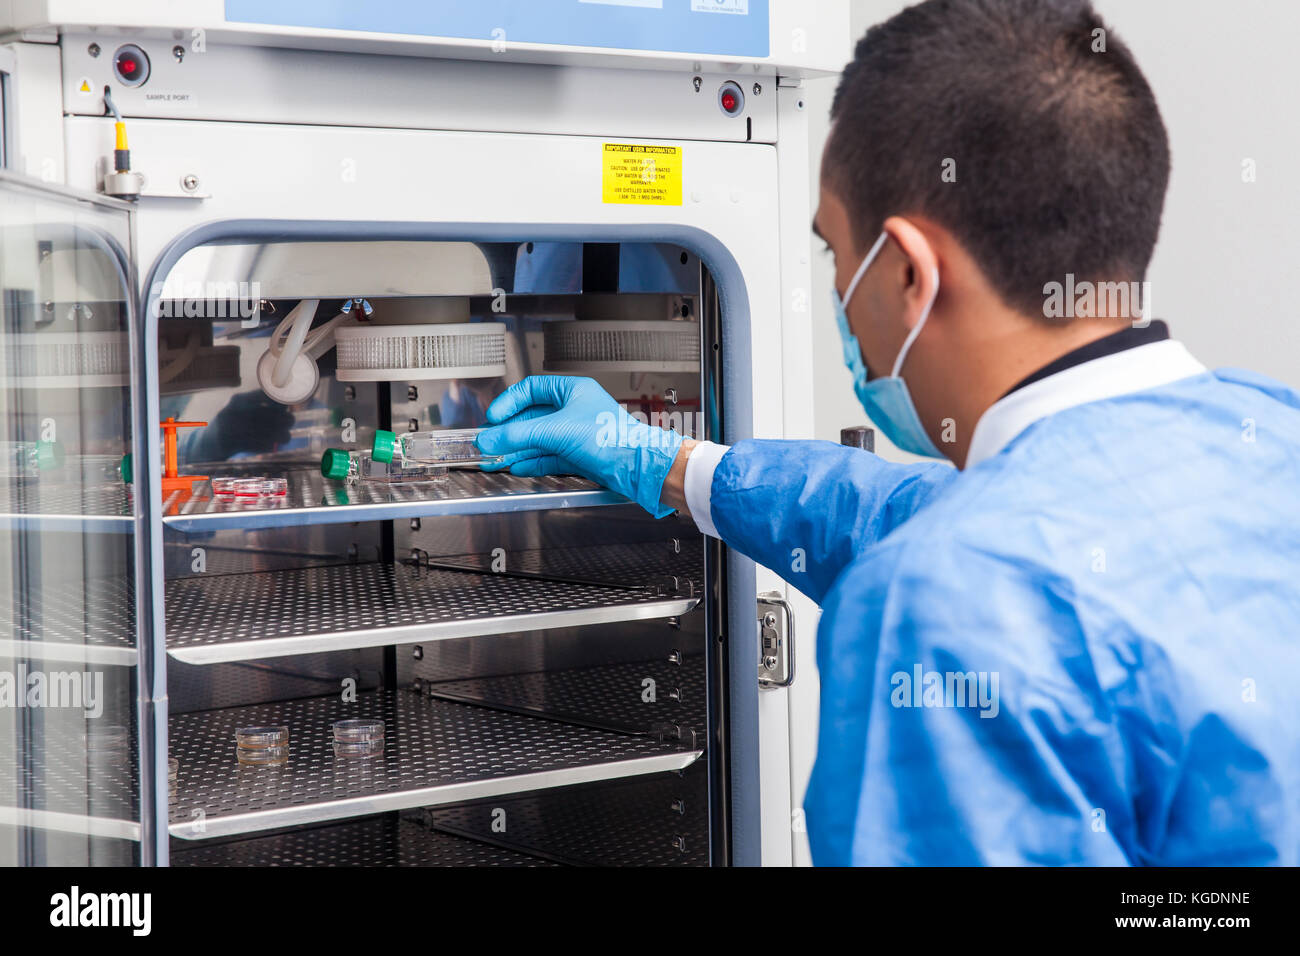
862 269
916 329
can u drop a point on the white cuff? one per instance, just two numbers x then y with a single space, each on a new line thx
699 484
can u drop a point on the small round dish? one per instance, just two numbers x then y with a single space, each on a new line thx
358 731
369 748
262 756
252 738
110 739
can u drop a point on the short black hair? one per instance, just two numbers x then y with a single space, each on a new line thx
1060 155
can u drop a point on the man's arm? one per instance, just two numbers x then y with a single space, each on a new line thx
804 509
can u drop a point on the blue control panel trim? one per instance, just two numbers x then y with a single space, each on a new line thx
704 27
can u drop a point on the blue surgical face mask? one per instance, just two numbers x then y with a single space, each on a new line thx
887 400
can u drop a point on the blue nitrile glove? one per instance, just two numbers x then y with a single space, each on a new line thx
562 425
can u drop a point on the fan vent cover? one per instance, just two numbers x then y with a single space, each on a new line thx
66 359
401 353
631 346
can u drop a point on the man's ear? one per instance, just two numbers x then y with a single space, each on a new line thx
922 264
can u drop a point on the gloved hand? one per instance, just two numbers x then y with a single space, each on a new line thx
250 423
559 424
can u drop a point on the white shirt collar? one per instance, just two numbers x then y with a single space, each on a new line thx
1121 373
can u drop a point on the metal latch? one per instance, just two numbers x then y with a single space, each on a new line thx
775 641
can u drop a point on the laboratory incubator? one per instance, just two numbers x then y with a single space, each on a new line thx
264 267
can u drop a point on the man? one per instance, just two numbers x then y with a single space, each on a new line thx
1080 646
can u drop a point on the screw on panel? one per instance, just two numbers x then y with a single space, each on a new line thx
412 424
93 49
675 657
415 524
675 623
697 83
417 652
412 393
189 182
757 89
178 51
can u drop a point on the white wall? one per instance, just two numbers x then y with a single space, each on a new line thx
1227 79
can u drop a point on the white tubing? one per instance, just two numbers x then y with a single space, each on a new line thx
301 317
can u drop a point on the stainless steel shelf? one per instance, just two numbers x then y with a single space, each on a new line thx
96 628
436 752
57 786
622 565
648 821
374 841
609 696
237 617
69 506
311 499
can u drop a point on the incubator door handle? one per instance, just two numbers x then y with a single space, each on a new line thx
775 641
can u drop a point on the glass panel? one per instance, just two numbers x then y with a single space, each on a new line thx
68 767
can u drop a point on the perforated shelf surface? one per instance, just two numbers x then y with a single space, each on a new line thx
275 613
94 623
374 841
651 821
436 752
625 565
56 785
65 506
611 696
312 499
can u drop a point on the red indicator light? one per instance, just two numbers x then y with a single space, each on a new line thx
127 66
729 101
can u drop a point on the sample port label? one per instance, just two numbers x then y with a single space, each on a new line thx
641 175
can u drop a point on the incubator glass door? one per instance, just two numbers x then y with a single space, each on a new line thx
69 728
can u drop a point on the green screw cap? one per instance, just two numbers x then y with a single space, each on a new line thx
48 454
124 469
335 463
382 449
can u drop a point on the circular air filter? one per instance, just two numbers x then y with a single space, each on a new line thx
413 353
66 359
621 346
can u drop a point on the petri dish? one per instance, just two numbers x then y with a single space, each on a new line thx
365 748
250 487
252 738
358 731
262 756
111 739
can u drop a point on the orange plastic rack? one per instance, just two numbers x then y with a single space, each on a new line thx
171 479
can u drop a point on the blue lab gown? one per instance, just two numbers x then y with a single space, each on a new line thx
1130 571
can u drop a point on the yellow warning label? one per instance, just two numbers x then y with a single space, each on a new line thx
84 87
641 175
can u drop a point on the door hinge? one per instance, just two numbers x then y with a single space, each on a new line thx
775 641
